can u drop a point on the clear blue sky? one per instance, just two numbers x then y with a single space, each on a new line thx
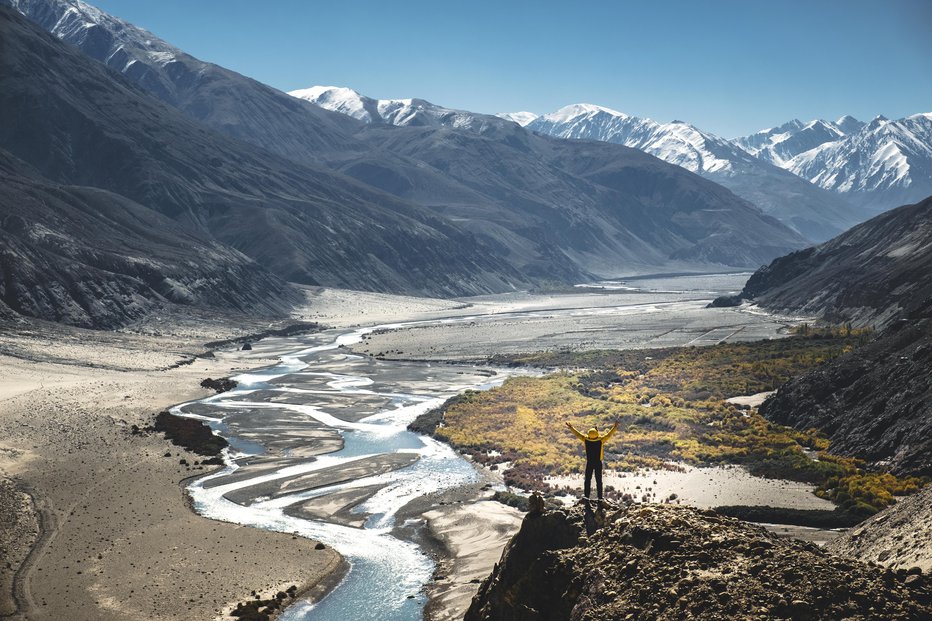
728 66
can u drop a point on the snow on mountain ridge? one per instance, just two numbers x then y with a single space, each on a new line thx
812 211
884 159
780 144
574 110
522 118
83 21
337 98
403 112
675 142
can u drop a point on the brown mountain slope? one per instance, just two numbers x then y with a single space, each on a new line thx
899 536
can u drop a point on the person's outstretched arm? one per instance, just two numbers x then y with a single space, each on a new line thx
610 432
575 431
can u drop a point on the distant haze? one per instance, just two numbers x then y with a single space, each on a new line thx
731 67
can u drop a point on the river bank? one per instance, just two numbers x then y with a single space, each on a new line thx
104 532
92 387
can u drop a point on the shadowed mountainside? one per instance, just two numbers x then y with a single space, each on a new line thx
217 97
77 123
484 174
606 207
91 258
869 275
873 403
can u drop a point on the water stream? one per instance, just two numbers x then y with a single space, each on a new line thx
367 404
319 447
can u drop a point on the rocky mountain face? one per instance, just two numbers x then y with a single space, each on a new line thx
899 537
91 258
671 562
813 212
78 123
873 403
875 165
212 95
871 275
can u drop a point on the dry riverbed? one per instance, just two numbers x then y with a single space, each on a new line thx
104 532
105 526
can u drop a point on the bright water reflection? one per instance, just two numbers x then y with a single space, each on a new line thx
369 404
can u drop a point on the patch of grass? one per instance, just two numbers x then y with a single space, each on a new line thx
670 406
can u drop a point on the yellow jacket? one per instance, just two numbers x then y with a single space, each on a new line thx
593 435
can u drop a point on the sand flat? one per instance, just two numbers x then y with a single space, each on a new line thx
475 534
119 541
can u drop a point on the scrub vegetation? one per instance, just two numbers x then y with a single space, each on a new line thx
670 406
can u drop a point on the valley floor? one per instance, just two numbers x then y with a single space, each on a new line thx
105 532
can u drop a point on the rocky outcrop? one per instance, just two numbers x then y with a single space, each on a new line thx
874 403
671 562
899 537
222 384
191 434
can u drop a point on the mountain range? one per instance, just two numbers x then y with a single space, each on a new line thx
449 207
79 124
813 212
778 145
870 167
884 164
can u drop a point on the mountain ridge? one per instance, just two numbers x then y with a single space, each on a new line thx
873 402
80 124
548 248
814 212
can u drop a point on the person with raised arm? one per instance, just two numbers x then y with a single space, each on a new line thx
595 453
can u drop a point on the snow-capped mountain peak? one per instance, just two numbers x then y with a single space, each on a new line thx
521 118
676 142
781 144
884 164
573 111
848 124
337 98
402 112
85 25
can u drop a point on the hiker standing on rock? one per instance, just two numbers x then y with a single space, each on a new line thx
595 452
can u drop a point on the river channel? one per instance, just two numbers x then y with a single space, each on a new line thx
319 447
325 432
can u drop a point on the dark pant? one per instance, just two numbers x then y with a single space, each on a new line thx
597 469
